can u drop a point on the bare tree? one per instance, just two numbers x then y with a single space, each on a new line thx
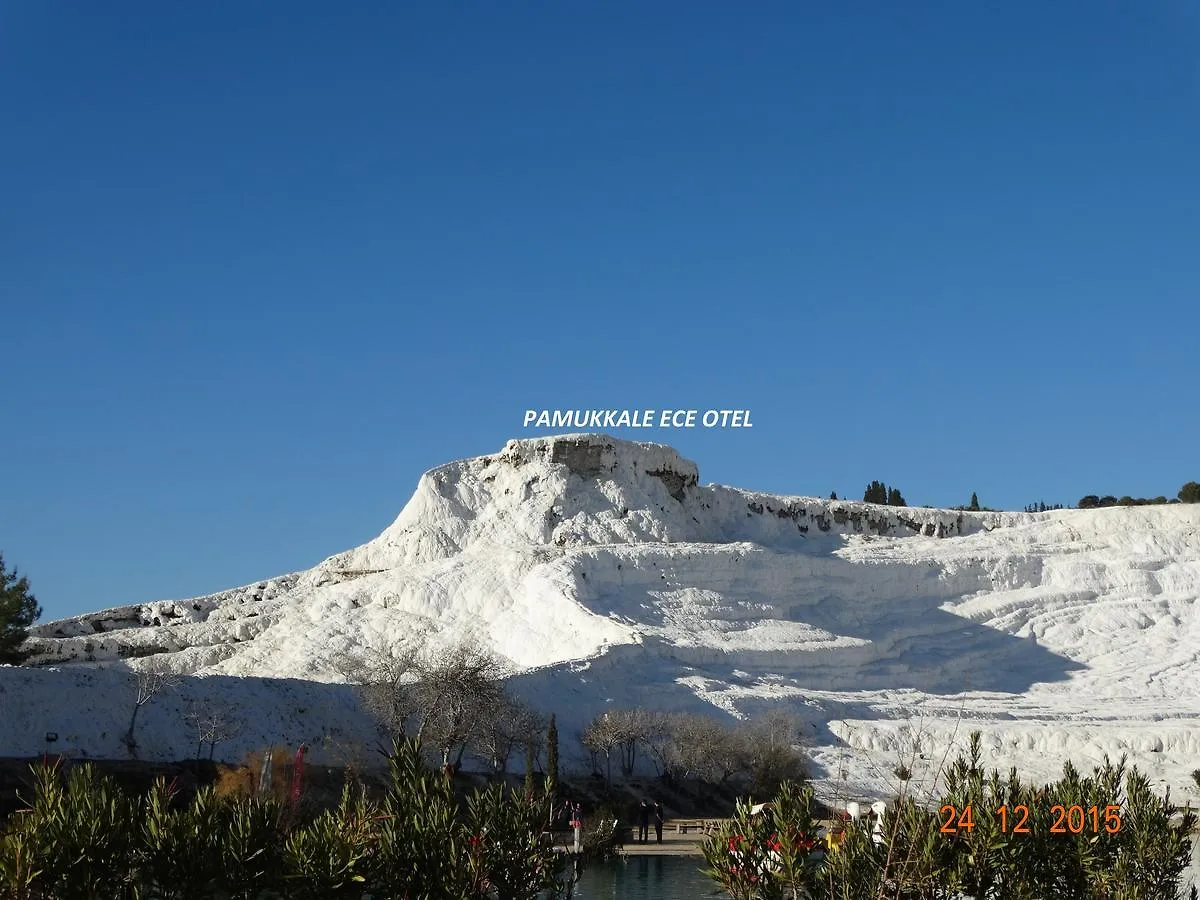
771 751
533 740
211 724
150 679
707 748
383 680
632 728
692 744
661 746
510 724
620 732
589 745
453 694
603 737
441 699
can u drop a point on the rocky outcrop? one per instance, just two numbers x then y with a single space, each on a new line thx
586 458
889 521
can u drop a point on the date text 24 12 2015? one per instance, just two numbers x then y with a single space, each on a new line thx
1015 819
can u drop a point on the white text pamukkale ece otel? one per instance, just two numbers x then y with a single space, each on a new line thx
637 418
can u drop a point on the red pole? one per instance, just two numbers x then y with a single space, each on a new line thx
297 770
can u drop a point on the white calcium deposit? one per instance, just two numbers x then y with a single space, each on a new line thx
606 574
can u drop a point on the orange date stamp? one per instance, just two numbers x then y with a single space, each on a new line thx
1015 819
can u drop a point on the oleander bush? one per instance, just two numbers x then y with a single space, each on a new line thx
81 837
77 839
1106 836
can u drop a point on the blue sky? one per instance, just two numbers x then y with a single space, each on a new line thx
261 264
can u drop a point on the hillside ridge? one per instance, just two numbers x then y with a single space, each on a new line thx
605 573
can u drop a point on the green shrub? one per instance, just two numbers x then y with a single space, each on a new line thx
1107 835
180 849
772 854
75 840
334 855
507 855
81 838
251 853
419 839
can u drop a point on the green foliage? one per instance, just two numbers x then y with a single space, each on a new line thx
76 839
772 854
856 869
505 850
1190 492
602 834
251 853
420 842
1122 842
18 611
181 851
974 504
81 837
334 855
427 852
974 858
21 852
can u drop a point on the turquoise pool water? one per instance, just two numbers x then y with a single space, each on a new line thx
647 878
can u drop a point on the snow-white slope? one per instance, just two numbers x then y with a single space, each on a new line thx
605 573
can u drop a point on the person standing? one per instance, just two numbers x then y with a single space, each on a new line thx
644 822
577 824
658 820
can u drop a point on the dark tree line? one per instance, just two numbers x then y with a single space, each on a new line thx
1189 493
878 492
1041 506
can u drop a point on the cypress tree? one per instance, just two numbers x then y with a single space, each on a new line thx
875 493
552 757
974 502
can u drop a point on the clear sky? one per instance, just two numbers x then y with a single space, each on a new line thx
262 264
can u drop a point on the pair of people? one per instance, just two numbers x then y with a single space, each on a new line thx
644 813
